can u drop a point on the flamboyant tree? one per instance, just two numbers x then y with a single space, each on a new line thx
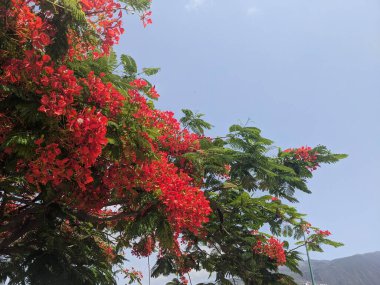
252 224
89 167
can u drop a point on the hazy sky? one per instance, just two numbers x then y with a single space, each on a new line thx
306 72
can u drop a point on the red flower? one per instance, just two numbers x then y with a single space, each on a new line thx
146 18
153 93
306 154
323 233
138 83
272 248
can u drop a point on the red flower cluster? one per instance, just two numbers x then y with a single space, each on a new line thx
105 18
182 201
306 154
152 93
104 95
323 233
48 167
29 27
272 248
88 130
138 83
78 111
185 205
141 84
172 138
25 71
146 18
58 88
133 275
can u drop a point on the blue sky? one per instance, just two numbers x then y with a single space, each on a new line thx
306 72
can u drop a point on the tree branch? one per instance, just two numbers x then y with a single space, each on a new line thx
96 219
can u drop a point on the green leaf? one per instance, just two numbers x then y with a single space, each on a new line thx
129 64
151 71
287 231
76 11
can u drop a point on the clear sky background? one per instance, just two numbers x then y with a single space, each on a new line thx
306 72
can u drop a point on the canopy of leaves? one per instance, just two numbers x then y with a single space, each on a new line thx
250 190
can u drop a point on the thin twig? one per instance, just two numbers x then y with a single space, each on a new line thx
149 270
188 274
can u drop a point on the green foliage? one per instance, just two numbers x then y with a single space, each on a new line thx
239 208
129 65
138 5
164 266
151 71
51 256
194 122
74 8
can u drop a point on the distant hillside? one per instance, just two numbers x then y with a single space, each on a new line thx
360 269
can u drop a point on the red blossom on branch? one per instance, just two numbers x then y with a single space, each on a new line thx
306 154
146 18
323 233
71 153
272 248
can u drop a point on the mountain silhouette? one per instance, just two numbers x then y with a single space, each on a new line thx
360 269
